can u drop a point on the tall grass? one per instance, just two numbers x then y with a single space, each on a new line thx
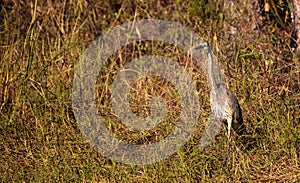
41 43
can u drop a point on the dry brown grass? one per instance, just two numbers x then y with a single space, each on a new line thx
39 138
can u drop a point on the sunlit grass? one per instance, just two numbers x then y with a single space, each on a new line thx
41 43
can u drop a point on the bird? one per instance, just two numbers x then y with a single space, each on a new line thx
224 104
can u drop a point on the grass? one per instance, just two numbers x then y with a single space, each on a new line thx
41 43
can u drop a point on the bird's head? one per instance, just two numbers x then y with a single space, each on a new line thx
202 45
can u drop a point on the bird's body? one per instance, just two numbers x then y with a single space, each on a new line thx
225 108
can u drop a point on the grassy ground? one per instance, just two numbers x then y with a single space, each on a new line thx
41 42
